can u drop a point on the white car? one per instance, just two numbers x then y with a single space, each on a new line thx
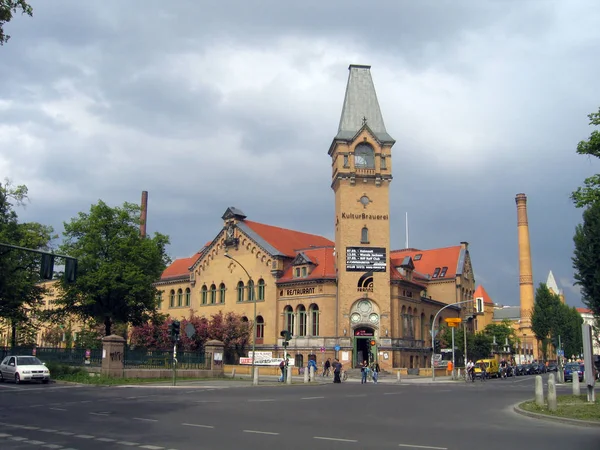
23 368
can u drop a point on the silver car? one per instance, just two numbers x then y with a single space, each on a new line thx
23 368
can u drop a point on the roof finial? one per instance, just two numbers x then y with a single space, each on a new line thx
364 119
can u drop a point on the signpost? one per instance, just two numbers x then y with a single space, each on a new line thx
453 322
366 259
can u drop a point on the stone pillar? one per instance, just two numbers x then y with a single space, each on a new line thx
113 356
213 350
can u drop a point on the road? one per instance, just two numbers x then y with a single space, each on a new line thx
226 416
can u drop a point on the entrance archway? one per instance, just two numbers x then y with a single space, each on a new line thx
363 350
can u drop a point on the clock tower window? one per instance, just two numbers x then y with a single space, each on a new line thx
364 157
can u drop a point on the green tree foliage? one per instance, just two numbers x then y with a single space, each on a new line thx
545 315
21 294
8 8
569 323
590 192
586 258
116 267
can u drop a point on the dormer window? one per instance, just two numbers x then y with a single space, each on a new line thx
443 272
304 270
436 272
297 272
418 256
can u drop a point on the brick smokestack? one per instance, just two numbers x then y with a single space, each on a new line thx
144 213
525 272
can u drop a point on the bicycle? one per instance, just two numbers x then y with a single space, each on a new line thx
343 375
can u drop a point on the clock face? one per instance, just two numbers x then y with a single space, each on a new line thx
364 306
355 317
365 200
374 318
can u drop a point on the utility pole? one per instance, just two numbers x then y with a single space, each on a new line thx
465 337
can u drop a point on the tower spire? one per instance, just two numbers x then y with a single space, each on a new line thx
361 107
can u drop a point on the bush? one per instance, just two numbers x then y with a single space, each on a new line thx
59 371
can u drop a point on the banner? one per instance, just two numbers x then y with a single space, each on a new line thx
260 361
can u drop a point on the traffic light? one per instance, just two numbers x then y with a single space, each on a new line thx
436 346
287 336
176 329
170 330
70 270
372 342
47 267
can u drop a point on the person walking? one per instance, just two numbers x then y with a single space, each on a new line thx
337 370
327 367
282 368
364 372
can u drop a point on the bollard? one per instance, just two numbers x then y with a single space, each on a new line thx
539 390
288 374
552 393
398 376
233 373
306 375
255 379
576 388
311 374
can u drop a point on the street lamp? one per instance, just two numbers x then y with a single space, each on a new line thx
434 332
253 297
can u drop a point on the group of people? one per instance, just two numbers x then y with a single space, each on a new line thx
366 370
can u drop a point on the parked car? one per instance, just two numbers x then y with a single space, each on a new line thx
519 370
527 369
571 369
23 368
552 367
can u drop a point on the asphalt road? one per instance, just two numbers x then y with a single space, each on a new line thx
227 416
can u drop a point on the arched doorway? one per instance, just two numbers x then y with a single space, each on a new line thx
363 350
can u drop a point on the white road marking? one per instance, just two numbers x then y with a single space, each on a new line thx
105 439
197 425
151 447
84 436
392 393
34 442
28 427
334 439
85 401
18 438
65 433
131 397
145 420
263 400
5 435
422 446
208 401
57 409
310 398
53 446
261 432
47 430
359 395
130 444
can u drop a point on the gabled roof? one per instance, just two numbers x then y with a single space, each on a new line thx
282 241
324 261
395 275
180 268
481 292
361 107
584 311
429 260
301 258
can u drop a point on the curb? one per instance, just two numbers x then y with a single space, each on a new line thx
565 420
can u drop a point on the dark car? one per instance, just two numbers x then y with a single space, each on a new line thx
528 369
552 367
519 370
573 368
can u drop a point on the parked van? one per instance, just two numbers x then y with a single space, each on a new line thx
491 367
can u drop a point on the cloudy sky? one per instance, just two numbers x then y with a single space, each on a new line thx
212 104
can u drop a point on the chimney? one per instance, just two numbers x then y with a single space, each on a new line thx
144 213
525 272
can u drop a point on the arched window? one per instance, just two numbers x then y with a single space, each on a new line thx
314 319
213 294
187 296
204 294
261 289
251 294
222 293
364 157
172 299
240 291
301 320
159 299
179 297
423 326
289 319
364 236
244 319
260 327
403 321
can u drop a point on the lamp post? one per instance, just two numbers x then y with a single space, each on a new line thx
253 297
434 332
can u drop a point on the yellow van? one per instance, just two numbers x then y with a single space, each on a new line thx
491 367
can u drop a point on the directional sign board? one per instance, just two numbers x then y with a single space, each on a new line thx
337 348
366 259
190 330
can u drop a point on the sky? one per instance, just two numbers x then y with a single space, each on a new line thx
208 105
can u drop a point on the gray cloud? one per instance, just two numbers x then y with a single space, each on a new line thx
210 105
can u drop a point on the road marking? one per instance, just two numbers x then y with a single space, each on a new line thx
105 439
263 400
197 425
5 435
358 395
145 420
34 442
334 439
422 446
99 414
261 432
84 436
27 427
85 401
130 444
47 430
151 447
208 401
65 433
18 438
53 446
392 393
310 398
57 409
131 397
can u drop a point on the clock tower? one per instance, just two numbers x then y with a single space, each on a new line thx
361 161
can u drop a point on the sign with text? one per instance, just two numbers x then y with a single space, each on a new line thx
265 361
363 259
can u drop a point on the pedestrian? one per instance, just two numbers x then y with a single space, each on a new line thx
282 368
337 370
375 372
364 372
311 363
327 367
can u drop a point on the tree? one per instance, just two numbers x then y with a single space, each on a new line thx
544 316
116 267
21 293
590 193
7 9
585 259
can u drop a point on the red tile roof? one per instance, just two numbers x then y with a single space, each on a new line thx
180 267
584 311
396 275
325 266
480 292
430 259
287 241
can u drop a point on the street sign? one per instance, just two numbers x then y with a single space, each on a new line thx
322 349
190 330
337 348
560 353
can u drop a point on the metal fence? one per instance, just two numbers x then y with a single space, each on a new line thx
157 359
67 356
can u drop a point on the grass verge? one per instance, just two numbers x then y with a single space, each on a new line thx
568 406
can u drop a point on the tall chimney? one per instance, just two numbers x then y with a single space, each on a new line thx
525 272
144 213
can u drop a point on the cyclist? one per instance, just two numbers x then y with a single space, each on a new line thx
470 370
503 368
